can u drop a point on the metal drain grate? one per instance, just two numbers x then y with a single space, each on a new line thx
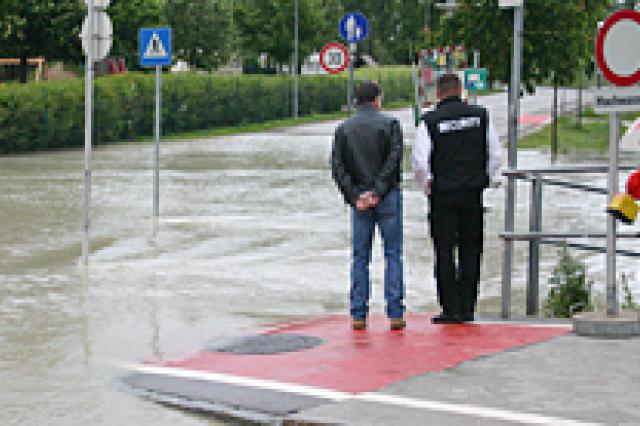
263 344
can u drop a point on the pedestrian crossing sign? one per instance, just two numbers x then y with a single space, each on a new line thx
155 47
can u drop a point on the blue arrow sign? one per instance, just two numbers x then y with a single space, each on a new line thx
155 46
354 27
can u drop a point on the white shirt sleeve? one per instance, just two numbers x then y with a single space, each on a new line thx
421 157
494 161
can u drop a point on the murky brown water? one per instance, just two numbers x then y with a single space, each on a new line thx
252 231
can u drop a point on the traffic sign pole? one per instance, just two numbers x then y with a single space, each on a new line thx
88 126
156 175
476 64
354 28
612 288
617 58
96 45
155 51
352 52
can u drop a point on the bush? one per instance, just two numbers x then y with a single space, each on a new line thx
569 289
40 116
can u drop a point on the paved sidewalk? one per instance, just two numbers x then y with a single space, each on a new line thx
489 372
566 378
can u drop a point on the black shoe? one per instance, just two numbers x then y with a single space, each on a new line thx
446 319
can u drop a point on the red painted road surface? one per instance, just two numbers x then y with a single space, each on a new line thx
535 119
364 361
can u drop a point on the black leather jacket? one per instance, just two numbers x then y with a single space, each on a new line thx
367 154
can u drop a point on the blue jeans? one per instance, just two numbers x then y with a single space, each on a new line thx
388 216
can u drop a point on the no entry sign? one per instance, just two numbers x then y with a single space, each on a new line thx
617 50
334 58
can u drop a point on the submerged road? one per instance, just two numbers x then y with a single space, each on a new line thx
252 231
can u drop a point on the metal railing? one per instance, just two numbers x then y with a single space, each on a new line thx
535 237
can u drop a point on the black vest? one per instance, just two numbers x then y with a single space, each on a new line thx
459 146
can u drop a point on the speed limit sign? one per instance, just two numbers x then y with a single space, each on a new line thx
334 58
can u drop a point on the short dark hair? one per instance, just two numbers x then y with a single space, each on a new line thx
449 83
367 92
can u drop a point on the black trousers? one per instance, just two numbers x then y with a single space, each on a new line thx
457 221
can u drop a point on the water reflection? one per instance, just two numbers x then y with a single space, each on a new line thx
84 321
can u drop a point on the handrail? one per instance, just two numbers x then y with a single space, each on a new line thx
574 185
528 236
522 173
535 236
587 247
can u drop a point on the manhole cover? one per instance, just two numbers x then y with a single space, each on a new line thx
263 344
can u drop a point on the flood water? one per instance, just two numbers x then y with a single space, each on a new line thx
253 231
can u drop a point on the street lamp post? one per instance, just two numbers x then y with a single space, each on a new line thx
296 59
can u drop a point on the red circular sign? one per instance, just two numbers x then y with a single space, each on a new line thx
334 58
611 74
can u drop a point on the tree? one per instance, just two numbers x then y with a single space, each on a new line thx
594 10
128 16
41 28
268 26
483 26
201 31
557 39
395 27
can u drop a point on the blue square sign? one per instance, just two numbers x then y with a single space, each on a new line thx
155 46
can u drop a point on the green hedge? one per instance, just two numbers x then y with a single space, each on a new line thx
50 115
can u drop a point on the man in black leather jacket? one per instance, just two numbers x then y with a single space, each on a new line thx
366 165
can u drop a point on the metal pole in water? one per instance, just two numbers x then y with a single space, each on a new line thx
510 200
88 127
612 288
156 162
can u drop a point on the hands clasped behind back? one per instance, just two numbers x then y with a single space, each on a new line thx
367 200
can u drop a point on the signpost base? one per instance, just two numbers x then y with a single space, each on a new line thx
597 324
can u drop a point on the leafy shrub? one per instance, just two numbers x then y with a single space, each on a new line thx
569 289
40 116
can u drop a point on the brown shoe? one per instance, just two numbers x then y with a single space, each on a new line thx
358 324
397 323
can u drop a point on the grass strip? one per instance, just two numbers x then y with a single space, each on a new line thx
593 135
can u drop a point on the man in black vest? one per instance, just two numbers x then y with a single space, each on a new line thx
456 152
366 165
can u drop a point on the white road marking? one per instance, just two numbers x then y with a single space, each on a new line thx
378 398
329 394
517 323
